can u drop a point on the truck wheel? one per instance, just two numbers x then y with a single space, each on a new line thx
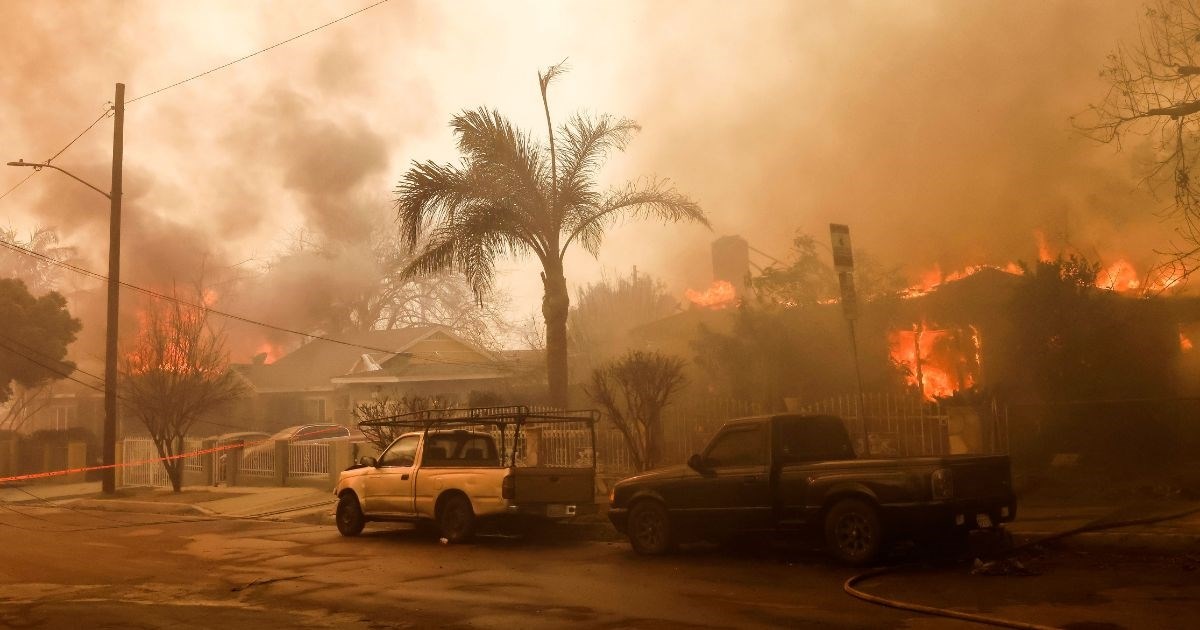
853 533
350 519
650 528
456 519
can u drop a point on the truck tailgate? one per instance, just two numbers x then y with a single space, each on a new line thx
554 485
978 477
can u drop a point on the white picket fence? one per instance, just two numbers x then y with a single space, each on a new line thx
309 460
150 473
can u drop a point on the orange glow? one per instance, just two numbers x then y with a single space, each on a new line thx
934 278
939 368
720 294
1185 342
272 351
1119 276
1044 254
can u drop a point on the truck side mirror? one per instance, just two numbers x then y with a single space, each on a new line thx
696 463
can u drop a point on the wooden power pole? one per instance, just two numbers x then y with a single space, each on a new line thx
109 483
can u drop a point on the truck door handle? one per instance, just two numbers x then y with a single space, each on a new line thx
404 477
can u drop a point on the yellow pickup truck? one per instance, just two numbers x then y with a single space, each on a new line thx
454 469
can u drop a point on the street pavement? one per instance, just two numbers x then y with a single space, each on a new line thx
74 566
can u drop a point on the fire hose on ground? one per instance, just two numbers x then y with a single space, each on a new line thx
850 585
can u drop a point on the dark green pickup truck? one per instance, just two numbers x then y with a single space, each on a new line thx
799 473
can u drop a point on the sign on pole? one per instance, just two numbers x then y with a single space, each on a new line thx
843 264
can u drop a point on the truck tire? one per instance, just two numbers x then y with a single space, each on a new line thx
649 528
350 519
853 532
456 519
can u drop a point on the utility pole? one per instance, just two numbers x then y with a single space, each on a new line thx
843 264
109 483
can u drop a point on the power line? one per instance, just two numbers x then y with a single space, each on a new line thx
257 52
102 116
40 353
18 184
51 369
233 316
79 135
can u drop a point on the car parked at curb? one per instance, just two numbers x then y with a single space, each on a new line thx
796 473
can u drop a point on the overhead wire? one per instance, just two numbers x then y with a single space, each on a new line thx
234 316
257 52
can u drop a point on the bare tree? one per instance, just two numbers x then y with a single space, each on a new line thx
1154 91
634 390
177 371
383 408
360 289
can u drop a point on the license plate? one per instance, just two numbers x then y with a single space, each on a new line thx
983 521
560 511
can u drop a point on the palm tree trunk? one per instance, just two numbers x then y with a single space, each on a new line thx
555 304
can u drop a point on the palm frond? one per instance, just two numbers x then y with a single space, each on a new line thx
654 198
585 143
505 155
429 192
544 78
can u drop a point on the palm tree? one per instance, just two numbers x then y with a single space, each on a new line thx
512 195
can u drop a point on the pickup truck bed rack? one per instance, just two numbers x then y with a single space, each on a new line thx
508 424
513 414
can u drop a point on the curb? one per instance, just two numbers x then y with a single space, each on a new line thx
145 507
1162 542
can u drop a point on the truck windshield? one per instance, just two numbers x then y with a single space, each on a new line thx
460 448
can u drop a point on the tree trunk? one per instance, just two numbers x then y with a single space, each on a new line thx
555 304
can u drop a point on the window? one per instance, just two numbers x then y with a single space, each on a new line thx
314 409
739 447
402 453
813 439
460 448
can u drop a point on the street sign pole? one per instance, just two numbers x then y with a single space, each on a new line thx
843 264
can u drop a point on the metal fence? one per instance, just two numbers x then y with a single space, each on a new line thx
195 463
258 461
898 425
308 460
150 473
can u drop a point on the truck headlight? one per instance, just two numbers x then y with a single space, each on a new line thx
942 483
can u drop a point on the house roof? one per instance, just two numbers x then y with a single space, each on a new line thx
319 364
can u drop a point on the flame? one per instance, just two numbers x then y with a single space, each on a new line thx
177 351
1185 342
1043 247
934 278
720 294
1119 276
272 351
938 369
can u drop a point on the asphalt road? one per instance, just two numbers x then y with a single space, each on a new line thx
82 569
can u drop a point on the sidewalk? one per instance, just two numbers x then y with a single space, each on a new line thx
274 503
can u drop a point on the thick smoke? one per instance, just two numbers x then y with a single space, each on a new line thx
940 131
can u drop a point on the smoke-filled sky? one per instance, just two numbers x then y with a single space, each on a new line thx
938 130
